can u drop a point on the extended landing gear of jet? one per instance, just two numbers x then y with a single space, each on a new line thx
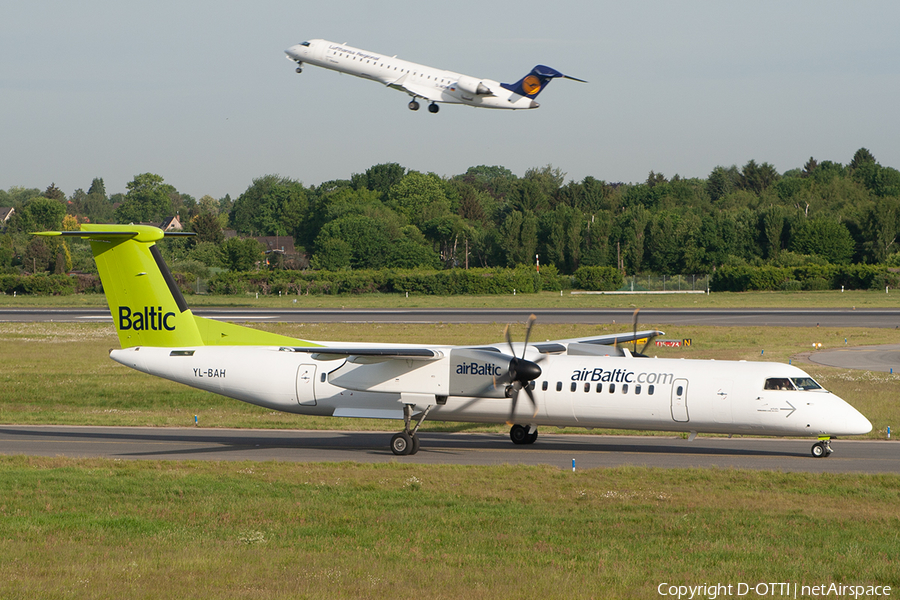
407 442
520 434
433 108
822 448
413 105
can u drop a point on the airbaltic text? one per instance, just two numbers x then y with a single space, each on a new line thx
621 376
474 368
151 319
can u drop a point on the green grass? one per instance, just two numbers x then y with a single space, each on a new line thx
105 529
546 300
60 373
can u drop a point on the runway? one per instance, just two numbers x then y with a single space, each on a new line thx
758 317
588 451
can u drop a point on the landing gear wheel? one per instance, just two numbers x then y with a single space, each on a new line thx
413 105
402 444
299 69
818 450
415 444
433 108
519 435
822 449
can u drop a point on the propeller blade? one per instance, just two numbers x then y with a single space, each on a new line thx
528 325
508 337
636 311
530 395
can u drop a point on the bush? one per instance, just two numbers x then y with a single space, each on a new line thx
598 278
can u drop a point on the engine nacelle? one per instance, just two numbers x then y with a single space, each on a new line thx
472 86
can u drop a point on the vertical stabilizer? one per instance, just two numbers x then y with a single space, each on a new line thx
147 307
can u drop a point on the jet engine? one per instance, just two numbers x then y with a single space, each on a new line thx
472 86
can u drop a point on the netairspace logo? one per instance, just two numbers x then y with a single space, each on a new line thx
772 590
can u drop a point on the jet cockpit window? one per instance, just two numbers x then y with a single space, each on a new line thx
779 383
805 383
304 43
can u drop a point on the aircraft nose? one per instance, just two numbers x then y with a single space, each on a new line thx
849 421
293 52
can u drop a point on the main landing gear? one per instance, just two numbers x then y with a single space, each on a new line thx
521 434
407 442
414 105
822 448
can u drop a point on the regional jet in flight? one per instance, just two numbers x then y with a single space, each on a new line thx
420 81
592 382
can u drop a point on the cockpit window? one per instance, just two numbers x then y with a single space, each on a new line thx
779 383
304 43
805 383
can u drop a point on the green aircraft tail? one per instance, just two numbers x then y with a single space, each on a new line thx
148 308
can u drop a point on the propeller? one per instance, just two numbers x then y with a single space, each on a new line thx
649 337
521 372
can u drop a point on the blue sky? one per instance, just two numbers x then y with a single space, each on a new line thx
200 92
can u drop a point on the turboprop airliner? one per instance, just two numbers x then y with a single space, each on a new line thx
420 81
592 382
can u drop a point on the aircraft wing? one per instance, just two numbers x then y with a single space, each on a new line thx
415 90
600 340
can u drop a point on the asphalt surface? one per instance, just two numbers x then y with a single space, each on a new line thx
588 451
776 317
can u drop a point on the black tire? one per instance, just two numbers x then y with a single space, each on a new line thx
818 450
518 434
433 108
532 437
401 444
413 105
415 445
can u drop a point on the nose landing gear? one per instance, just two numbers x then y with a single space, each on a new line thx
822 448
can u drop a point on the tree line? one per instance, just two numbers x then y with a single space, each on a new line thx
823 213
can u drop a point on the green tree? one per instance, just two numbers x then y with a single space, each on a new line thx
518 238
756 178
379 178
272 205
825 237
419 197
147 200
45 214
208 229
241 254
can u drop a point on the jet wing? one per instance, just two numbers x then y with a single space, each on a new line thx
415 90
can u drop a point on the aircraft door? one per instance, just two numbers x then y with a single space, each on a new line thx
306 385
679 401
722 401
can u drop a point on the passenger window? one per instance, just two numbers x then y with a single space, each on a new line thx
544 386
573 386
624 388
650 389
612 388
599 387
637 389
559 386
322 378
679 391
587 387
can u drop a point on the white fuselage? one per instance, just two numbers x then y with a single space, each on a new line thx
417 80
620 392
